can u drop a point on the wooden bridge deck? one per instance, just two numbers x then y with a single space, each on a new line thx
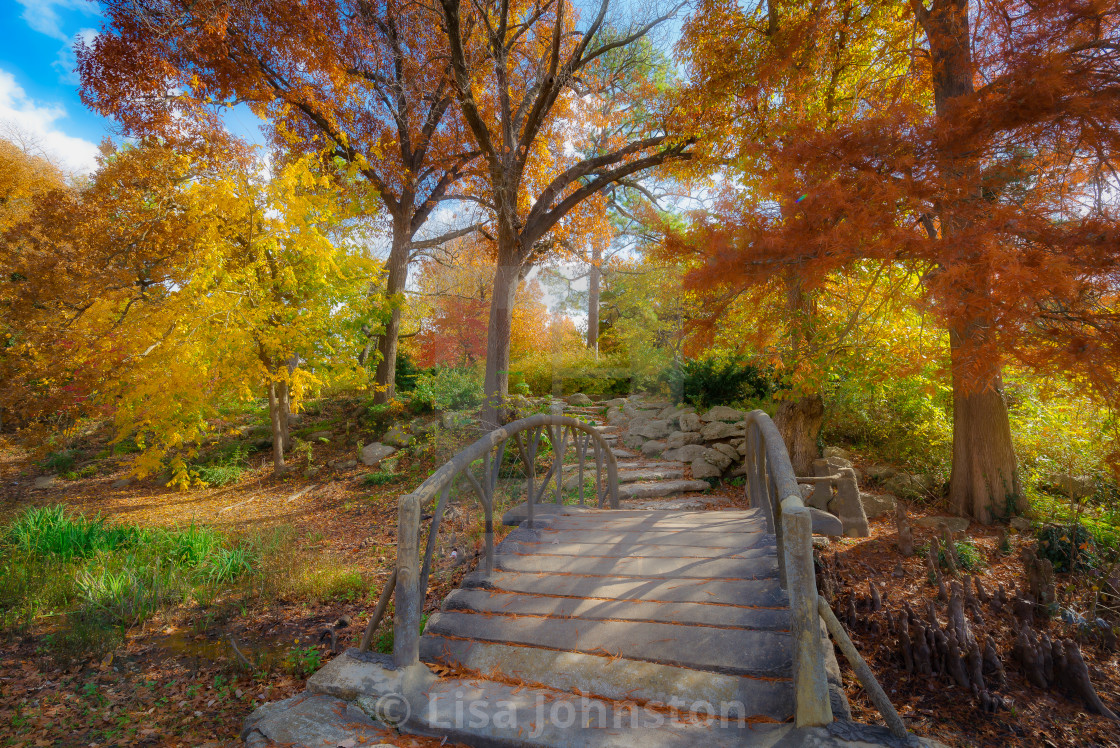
675 607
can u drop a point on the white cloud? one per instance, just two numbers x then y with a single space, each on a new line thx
67 61
39 121
42 15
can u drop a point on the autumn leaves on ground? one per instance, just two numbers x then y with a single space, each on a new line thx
892 226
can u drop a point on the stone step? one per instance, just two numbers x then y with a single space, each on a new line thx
636 520
646 474
714 542
614 677
623 454
649 464
733 651
564 712
628 546
550 606
652 490
760 564
760 592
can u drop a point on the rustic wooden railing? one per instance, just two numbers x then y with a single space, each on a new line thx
773 488
479 465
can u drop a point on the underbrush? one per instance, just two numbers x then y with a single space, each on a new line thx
96 580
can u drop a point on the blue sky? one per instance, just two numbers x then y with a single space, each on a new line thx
39 89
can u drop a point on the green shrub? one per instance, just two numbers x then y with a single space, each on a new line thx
378 479
719 380
1067 546
302 661
406 372
380 416
446 389
60 461
224 468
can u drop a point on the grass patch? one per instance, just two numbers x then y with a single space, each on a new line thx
379 478
99 579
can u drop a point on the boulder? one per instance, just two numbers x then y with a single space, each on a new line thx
615 417
723 413
673 412
1077 486
687 453
344 464
881 473
716 458
730 452
633 441
397 437
837 452
877 504
681 438
616 402
317 435
45 481
689 422
372 454
826 524
716 430
905 485
579 399
119 484
653 448
702 469
653 429
1020 524
955 524
294 420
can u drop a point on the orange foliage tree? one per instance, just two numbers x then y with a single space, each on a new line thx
367 82
987 161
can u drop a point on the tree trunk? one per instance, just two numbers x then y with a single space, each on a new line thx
274 416
385 377
985 471
593 301
507 275
799 422
284 394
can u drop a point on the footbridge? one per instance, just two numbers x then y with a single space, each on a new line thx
608 615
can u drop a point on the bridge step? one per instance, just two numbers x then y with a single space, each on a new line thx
759 592
732 651
547 606
759 563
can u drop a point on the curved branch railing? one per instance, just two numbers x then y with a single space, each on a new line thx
772 487
487 455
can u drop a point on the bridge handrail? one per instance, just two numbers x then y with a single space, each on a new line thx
772 487
411 575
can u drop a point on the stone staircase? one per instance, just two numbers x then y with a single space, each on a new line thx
646 481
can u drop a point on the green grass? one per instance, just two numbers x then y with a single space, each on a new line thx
378 479
99 579
60 461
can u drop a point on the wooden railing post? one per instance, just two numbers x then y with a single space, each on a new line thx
406 616
809 681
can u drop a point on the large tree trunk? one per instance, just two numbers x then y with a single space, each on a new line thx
385 378
593 301
799 422
507 275
985 471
